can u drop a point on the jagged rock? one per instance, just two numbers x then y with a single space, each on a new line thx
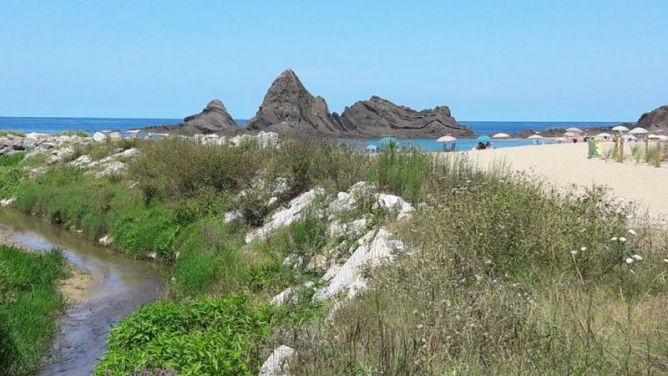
111 168
99 137
232 216
267 139
395 204
351 230
346 201
214 118
60 154
284 297
379 117
277 364
286 216
350 275
317 264
289 108
115 135
655 119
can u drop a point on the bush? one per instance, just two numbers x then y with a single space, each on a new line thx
401 171
29 304
143 230
203 337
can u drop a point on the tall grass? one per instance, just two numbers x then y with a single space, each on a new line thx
29 303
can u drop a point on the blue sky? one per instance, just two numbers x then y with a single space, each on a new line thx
487 60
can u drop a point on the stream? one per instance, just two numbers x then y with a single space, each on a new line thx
120 285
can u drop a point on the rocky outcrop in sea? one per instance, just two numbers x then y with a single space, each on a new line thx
288 108
655 119
214 118
378 117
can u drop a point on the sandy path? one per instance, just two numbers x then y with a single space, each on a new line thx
567 164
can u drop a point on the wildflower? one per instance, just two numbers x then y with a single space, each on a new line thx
637 257
614 238
633 232
665 260
629 260
629 216
583 249
622 239
574 252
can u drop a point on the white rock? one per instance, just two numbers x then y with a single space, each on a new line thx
284 297
267 139
99 137
82 161
106 240
350 276
231 216
111 168
286 216
115 135
395 204
7 201
58 154
353 229
277 364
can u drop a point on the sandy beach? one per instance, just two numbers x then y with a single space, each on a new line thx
567 164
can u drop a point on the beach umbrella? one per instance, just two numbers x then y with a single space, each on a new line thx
371 147
654 137
630 137
560 140
501 135
638 130
620 128
535 137
483 138
447 138
571 134
604 135
574 130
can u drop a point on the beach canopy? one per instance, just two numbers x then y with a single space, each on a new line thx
630 137
535 137
447 138
604 135
638 130
483 138
620 128
501 135
560 140
573 129
571 134
371 147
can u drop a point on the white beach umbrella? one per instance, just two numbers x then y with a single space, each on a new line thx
654 137
620 128
573 129
559 140
638 130
630 137
447 138
535 137
604 135
571 134
501 135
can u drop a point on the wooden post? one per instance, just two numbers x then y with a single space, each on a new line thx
621 148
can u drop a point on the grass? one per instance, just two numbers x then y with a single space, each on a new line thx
5 132
72 133
490 286
28 305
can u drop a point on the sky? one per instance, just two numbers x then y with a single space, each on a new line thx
517 60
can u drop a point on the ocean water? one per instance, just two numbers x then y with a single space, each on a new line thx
91 125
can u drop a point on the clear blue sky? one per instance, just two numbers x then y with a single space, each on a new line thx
487 60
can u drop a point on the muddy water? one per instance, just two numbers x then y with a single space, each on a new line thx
120 285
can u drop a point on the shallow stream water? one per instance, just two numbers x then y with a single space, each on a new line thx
120 285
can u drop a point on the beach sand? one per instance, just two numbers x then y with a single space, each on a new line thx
567 164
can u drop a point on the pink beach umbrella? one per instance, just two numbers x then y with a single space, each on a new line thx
447 138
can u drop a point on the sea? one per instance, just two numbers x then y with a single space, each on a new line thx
92 125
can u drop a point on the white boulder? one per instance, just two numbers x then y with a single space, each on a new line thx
277 364
99 137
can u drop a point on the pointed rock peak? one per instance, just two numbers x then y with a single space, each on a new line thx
288 79
215 103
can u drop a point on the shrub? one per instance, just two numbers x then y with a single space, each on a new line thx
401 171
206 336
143 230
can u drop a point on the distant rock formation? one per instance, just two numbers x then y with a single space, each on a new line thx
214 118
289 108
379 117
655 119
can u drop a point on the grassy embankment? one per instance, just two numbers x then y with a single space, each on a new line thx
29 304
504 275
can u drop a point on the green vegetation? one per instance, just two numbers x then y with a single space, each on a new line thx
6 132
28 305
505 274
72 133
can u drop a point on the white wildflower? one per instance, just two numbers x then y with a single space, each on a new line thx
637 257
614 238
622 239
629 260
665 260
574 252
633 232
583 249
629 216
